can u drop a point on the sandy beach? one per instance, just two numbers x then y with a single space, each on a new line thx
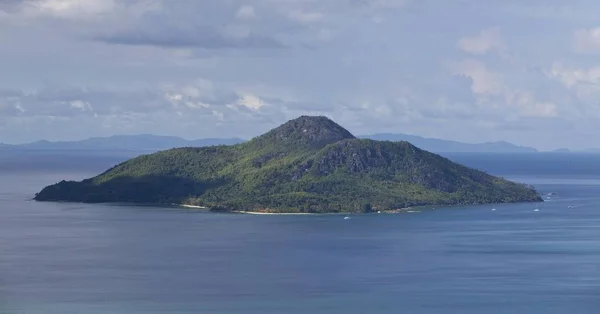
395 211
264 213
192 206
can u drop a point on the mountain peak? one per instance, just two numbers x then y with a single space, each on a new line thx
306 132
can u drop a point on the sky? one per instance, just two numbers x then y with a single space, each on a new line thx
527 72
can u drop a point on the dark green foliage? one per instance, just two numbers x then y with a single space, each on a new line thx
309 165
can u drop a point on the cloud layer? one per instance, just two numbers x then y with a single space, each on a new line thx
470 70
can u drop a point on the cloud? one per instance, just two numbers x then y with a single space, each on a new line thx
246 12
198 97
81 105
583 85
198 24
487 40
587 40
87 68
200 93
10 93
494 93
10 5
529 106
159 23
192 24
572 76
78 11
72 9
483 80
295 105
251 102
189 38
306 17
70 102
7 109
197 106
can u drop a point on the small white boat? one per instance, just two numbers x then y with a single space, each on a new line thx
346 217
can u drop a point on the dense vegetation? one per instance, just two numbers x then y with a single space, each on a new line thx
309 164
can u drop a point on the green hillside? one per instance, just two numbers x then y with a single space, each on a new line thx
309 164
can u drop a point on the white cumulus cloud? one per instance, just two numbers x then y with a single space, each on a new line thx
587 40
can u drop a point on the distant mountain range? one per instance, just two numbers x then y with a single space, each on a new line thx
445 146
146 142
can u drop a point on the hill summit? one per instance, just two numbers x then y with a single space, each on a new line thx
311 132
309 164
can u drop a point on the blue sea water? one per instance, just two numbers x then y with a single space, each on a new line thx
78 258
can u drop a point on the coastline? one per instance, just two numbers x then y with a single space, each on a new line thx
191 206
266 213
242 211
393 211
406 210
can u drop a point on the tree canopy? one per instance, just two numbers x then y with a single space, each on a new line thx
309 164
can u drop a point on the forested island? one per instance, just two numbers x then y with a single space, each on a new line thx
307 165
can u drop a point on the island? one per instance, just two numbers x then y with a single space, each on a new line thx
307 165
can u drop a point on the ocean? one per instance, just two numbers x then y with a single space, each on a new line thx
80 258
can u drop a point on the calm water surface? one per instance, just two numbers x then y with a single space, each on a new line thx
75 258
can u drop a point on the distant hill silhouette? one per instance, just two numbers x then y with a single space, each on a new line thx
143 142
147 142
445 146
